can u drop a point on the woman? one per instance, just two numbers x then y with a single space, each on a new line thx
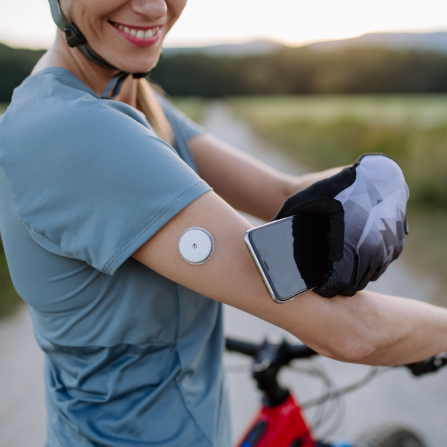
93 201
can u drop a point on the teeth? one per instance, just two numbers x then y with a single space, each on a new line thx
139 33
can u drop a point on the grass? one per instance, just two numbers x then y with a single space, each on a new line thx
193 107
9 299
326 131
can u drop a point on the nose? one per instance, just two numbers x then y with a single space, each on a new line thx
153 9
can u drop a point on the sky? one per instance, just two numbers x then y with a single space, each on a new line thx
27 23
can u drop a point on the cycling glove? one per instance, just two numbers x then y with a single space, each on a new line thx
366 206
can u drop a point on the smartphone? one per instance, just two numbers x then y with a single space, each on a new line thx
291 254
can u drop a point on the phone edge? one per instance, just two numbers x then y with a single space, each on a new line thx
261 271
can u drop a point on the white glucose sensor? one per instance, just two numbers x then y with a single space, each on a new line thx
196 245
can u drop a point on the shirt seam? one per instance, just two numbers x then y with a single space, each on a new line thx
29 229
188 410
177 339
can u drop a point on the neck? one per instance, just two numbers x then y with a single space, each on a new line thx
91 74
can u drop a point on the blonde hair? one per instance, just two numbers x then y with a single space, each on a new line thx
148 104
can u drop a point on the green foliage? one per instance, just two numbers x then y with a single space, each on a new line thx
286 71
3 107
304 71
15 66
192 107
9 299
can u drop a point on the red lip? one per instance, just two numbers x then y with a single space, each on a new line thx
139 42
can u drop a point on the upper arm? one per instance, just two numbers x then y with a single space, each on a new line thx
230 276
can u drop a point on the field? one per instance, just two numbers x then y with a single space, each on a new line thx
193 107
326 131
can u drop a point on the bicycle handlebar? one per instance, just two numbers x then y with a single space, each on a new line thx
289 352
298 351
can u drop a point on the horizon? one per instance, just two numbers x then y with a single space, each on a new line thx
255 39
205 22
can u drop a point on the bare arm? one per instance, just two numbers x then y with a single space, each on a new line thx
244 182
367 328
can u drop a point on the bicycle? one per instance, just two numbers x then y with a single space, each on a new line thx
281 423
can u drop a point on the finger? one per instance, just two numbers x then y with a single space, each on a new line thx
351 288
379 272
365 278
340 279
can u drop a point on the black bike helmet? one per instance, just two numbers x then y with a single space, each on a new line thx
75 38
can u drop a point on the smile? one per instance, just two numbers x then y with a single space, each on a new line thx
139 36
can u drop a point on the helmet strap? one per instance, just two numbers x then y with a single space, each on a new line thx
75 38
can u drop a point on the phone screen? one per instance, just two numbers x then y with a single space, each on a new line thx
293 253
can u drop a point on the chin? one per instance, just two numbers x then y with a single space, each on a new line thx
140 66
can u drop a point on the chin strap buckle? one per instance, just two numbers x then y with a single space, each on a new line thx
73 36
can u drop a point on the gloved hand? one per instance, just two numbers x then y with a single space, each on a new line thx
366 205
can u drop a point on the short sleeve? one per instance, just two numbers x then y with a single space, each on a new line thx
94 181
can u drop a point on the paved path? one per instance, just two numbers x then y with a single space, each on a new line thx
393 397
22 405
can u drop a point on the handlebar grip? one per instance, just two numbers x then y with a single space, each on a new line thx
292 352
430 365
301 352
242 347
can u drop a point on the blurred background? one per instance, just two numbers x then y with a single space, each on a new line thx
303 86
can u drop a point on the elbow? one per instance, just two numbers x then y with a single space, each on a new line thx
352 349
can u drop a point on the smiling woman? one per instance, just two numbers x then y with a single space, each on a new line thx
100 176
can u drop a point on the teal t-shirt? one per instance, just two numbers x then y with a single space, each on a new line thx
132 358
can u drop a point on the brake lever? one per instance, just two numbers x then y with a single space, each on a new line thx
430 365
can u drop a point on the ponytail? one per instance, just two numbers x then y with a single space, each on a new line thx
148 104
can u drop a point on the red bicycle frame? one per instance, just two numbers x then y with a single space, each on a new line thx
281 426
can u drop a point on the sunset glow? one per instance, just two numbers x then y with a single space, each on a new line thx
28 23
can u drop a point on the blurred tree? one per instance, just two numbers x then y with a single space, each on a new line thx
286 71
15 66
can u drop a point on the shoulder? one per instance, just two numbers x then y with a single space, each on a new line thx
54 112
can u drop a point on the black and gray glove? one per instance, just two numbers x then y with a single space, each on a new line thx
366 206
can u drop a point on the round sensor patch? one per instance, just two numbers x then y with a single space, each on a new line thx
196 245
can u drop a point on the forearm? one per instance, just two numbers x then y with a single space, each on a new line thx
244 182
371 328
